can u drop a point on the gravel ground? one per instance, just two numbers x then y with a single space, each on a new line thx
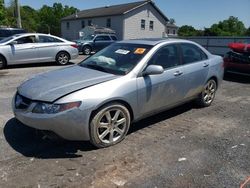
182 147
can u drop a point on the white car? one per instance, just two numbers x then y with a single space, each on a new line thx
36 48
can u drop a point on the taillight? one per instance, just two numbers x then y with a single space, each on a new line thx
74 45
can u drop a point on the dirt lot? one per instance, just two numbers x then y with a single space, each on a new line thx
183 147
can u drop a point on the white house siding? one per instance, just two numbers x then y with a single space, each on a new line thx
72 32
76 25
132 23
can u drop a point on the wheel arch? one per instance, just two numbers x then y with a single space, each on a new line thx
88 45
61 52
5 59
215 79
120 101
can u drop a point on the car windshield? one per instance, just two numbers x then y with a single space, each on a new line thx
6 39
118 58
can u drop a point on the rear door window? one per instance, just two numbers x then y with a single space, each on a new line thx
102 38
191 53
48 39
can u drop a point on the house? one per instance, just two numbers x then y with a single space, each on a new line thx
171 29
141 19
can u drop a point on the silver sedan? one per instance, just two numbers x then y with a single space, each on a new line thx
98 99
36 48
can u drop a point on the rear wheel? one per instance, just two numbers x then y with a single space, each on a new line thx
2 62
109 125
207 96
62 58
86 50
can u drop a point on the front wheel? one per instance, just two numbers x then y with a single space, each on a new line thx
86 50
2 62
62 58
206 98
109 125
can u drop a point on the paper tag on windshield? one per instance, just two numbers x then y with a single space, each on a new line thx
121 51
140 50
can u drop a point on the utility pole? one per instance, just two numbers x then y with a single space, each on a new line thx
19 23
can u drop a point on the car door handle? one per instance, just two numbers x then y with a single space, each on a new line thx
205 65
178 73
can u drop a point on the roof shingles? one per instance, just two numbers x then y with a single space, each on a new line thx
109 11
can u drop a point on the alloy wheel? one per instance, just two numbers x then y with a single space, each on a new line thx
112 126
209 92
63 58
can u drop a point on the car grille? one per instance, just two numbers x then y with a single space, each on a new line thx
22 102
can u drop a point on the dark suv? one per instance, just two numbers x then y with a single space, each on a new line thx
94 43
7 32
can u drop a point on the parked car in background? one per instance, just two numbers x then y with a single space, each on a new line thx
7 32
36 48
238 59
98 99
94 43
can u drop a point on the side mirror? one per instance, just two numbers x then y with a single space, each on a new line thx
153 70
13 42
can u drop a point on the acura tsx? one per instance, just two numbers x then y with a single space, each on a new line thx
98 98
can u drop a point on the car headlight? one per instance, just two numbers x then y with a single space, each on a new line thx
46 108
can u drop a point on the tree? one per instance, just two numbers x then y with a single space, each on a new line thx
3 14
50 17
247 32
187 30
30 18
172 20
230 27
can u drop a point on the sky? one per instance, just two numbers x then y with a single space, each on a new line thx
198 13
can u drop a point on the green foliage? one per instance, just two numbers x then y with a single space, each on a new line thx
50 17
247 32
3 14
186 31
45 20
230 27
172 20
30 18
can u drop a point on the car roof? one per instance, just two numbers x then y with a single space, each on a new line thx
152 41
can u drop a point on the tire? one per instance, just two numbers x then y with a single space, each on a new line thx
109 125
86 50
62 58
2 62
207 96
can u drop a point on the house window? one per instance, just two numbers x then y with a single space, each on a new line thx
168 31
83 23
174 31
143 24
67 25
108 22
151 25
89 22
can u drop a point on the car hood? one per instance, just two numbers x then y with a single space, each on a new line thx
52 85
